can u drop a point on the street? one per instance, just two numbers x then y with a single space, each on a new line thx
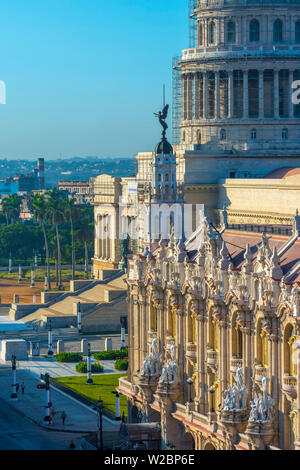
17 433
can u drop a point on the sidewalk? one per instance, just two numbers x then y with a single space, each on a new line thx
37 365
31 404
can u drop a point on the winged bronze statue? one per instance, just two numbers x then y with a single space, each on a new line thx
162 115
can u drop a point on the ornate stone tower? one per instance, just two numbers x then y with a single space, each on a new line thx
237 80
233 91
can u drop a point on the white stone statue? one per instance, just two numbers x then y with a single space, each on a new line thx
254 410
228 399
164 375
145 367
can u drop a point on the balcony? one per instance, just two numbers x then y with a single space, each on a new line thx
212 359
235 363
260 371
289 386
191 352
127 388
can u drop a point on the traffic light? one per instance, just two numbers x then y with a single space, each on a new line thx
41 386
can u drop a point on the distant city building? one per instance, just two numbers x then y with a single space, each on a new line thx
25 183
82 191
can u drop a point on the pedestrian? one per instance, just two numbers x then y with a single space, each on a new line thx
72 445
17 387
23 387
63 417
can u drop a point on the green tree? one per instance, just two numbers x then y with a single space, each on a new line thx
56 214
85 235
73 213
11 208
40 212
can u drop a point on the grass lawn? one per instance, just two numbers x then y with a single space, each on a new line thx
66 275
103 386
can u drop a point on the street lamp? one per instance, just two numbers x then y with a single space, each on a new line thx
50 346
99 409
212 391
20 275
14 395
32 284
79 317
89 367
10 264
190 383
118 414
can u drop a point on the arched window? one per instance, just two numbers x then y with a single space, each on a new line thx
183 136
231 35
159 177
254 31
223 134
277 31
200 35
284 134
297 32
253 134
198 137
290 351
212 32
167 176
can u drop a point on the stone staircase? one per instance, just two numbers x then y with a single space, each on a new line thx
102 304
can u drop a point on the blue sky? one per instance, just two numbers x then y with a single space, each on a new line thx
84 77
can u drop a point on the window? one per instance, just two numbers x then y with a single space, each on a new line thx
277 31
253 134
284 134
297 32
231 35
223 134
254 31
212 33
198 137
167 176
200 35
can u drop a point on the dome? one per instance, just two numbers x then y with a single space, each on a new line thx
164 147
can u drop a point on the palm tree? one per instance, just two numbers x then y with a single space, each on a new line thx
85 234
56 214
11 208
40 213
73 213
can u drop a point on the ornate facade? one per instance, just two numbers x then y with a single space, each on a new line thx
214 339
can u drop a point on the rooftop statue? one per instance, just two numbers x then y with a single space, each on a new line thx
162 116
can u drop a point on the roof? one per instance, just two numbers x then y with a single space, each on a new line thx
282 173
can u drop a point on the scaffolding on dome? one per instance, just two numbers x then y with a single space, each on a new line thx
188 97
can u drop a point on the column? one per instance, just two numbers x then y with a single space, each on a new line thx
217 95
205 95
247 360
223 359
261 93
297 437
246 95
230 94
190 97
197 96
201 355
276 94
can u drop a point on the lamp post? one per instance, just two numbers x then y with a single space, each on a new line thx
100 411
118 414
46 284
212 391
14 395
79 317
50 345
20 274
190 383
32 284
10 264
48 406
89 367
